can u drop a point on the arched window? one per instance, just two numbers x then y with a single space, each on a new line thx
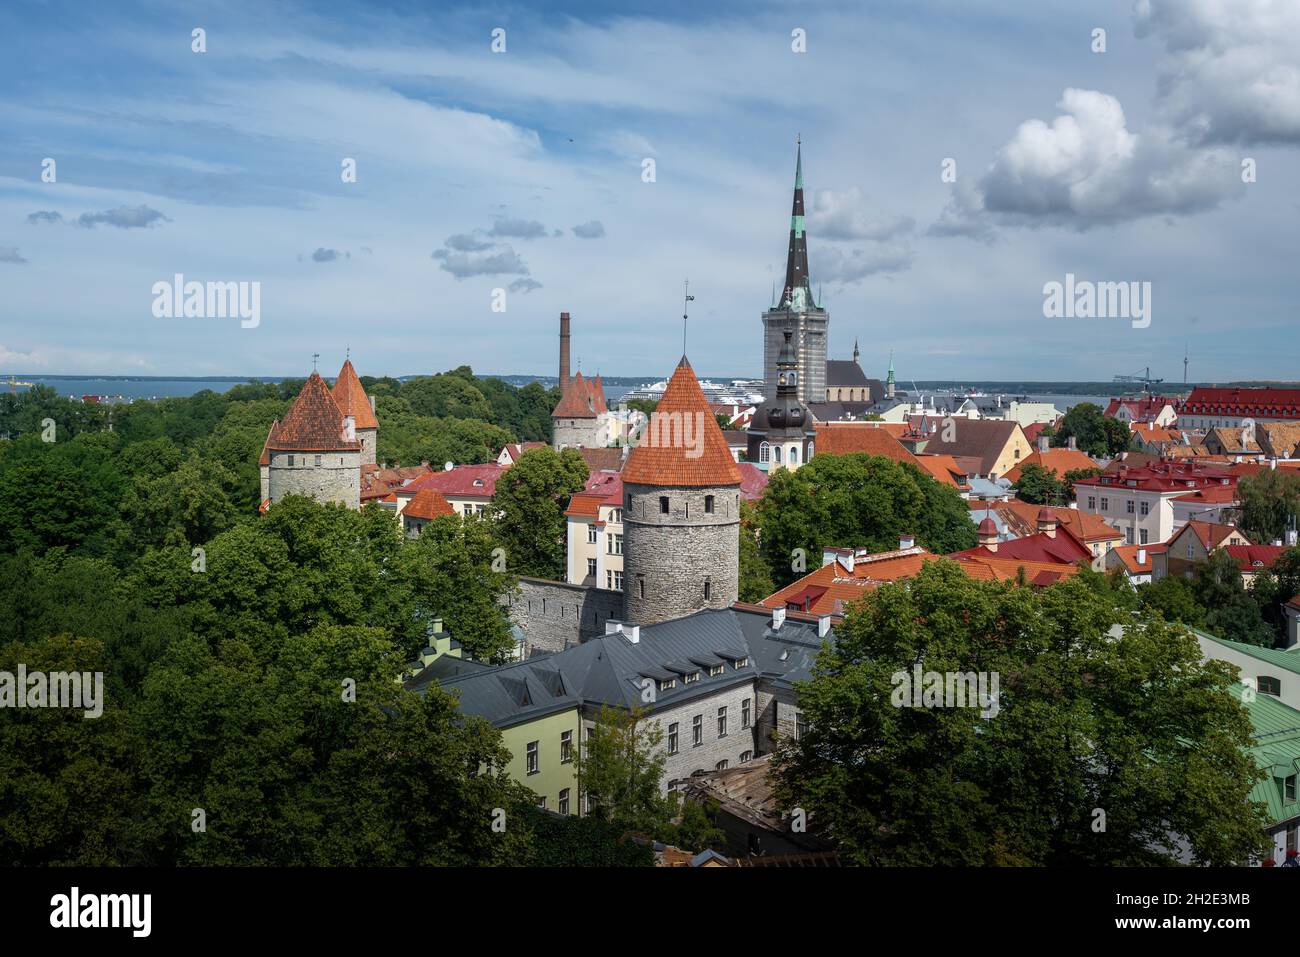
776 454
764 452
794 455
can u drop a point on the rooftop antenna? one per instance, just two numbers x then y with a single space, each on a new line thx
686 301
314 357
1184 362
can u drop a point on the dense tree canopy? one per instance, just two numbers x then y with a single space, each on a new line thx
1104 749
530 501
1093 432
856 501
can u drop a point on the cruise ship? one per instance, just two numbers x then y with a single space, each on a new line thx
743 392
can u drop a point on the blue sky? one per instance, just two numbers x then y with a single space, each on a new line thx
522 171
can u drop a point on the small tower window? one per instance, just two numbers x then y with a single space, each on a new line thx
794 455
776 455
640 586
708 589
318 461
291 461
663 504
708 504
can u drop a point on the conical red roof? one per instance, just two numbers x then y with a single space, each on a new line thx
313 424
351 397
583 399
682 444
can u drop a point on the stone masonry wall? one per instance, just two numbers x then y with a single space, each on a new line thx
571 433
675 553
336 479
555 615
706 756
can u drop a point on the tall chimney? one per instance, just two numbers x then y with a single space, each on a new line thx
564 351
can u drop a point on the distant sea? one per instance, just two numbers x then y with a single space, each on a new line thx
1063 395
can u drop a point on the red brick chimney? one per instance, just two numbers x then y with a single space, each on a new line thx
564 351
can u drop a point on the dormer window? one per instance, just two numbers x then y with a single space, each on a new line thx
667 683
742 662
691 677
715 670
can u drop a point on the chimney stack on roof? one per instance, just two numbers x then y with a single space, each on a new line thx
906 540
1073 444
778 618
1042 444
823 625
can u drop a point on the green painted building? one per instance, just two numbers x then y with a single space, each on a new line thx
1277 753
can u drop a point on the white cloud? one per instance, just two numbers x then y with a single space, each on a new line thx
848 215
1231 71
838 267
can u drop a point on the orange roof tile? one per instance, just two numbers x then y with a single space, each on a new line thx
1022 518
845 438
944 468
665 457
1059 461
428 503
583 399
313 424
1128 554
351 398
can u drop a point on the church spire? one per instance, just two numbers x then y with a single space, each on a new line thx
797 295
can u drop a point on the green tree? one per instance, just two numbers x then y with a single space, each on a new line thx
452 572
1093 431
856 501
755 578
1131 724
1270 504
530 501
1174 598
622 770
1231 611
1040 486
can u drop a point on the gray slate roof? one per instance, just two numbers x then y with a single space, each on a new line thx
609 669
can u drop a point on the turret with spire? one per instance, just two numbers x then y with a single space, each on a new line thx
796 311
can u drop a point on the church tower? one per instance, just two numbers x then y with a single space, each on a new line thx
681 511
796 312
781 433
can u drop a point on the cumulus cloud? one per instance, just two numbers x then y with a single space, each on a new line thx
324 255
1087 168
592 230
10 254
44 216
848 216
524 285
517 229
124 217
468 243
836 266
1231 70
496 260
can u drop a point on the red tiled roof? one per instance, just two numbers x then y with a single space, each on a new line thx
1161 477
1254 558
1128 554
1211 495
428 503
1143 409
845 438
314 423
1059 549
378 483
582 399
603 488
516 449
663 458
1211 534
753 481
944 468
464 481
1259 403
602 460
1059 461
351 398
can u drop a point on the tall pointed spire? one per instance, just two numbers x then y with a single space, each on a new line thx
797 295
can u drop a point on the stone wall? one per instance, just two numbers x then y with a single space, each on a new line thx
672 555
705 757
572 433
336 479
556 615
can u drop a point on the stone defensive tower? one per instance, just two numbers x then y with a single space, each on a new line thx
681 511
350 396
309 451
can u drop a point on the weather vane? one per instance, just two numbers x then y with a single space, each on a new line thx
314 357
